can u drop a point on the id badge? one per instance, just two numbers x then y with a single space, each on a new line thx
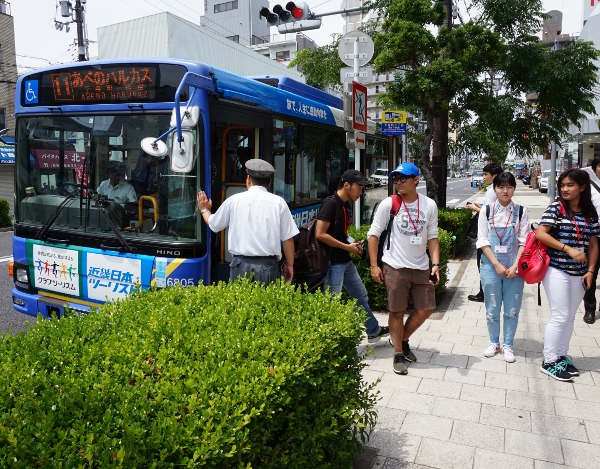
350 239
416 240
582 250
501 249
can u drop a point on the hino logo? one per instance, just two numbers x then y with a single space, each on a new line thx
164 252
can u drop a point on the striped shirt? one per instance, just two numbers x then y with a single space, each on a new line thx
567 231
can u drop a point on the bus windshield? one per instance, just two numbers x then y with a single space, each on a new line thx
94 166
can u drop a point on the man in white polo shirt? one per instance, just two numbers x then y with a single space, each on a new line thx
259 222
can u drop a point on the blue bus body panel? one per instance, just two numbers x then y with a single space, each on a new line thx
302 89
265 96
86 277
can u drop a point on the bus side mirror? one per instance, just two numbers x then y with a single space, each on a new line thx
182 155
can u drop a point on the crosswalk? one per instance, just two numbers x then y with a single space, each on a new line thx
6 259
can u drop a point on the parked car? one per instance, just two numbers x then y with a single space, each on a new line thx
544 180
379 177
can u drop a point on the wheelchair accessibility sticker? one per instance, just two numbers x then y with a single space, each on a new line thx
31 91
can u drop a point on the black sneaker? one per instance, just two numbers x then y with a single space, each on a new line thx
556 370
571 369
400 367
411 357
384 332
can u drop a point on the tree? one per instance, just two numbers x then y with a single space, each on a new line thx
452 69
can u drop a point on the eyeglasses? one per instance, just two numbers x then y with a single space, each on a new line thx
402 179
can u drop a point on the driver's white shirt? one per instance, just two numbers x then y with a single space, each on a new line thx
121 193
258 222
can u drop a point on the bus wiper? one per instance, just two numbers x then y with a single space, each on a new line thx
100 201
43 231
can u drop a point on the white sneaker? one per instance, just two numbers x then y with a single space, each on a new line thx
509 356
492 350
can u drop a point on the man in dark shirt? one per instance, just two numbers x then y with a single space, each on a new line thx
334 218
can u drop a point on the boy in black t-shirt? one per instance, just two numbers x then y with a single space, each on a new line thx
334 218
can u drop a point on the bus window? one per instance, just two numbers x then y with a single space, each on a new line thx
96 162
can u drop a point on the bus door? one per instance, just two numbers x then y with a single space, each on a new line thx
232 146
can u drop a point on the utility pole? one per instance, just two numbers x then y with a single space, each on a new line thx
439 158
80 40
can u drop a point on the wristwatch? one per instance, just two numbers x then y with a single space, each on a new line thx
203 210
435 265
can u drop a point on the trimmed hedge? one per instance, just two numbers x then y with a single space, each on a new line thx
227 376
377 293
5 220
456 221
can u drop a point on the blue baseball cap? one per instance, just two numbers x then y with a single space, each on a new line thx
406 169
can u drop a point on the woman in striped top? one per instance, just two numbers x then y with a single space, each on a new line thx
569 227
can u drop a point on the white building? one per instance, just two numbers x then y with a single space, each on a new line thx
237 20
589 135
167 35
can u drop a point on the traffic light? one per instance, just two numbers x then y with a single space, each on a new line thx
293 18
272 18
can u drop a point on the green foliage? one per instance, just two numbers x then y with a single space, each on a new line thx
4 216
377 292
456 221
227 376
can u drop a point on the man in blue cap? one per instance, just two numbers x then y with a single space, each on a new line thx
406 271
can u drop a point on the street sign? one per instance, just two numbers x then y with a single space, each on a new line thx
355 140
393 117
365 75
366 47
359 107
393 129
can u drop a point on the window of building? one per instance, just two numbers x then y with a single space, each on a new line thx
258 40
221 7
2 119
377 114
267 55
282 55
376 88
235 38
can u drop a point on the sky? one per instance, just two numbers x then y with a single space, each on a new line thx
39 44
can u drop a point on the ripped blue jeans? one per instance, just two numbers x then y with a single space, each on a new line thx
498 291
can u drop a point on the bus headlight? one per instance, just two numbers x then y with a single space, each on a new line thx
22 275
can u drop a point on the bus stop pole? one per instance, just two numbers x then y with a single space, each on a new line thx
552 178
356 150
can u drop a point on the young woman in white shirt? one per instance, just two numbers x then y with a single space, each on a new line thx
501 237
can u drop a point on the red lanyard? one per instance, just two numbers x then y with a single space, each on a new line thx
415 225
577 228
346 221
500 236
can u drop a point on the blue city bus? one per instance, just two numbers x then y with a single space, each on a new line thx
167 128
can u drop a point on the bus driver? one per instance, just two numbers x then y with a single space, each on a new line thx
116 188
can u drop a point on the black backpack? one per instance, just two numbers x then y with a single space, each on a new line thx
311 256
384 238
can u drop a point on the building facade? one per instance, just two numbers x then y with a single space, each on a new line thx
8 69
237 20
8 81
168 35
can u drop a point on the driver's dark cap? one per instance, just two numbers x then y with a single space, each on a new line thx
115 167
354 176
259 169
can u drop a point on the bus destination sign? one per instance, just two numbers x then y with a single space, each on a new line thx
121 84
103 84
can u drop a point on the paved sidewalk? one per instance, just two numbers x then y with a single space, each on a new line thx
458 409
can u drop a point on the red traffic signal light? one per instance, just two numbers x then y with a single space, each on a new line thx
299 11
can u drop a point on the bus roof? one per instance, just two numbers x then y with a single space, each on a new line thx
260 91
